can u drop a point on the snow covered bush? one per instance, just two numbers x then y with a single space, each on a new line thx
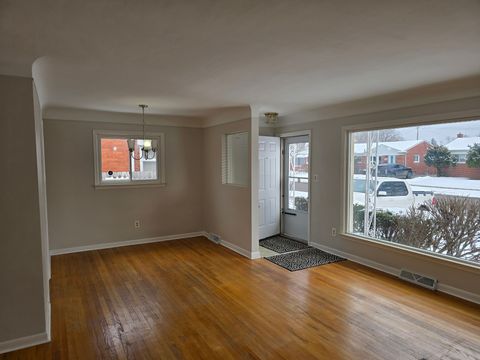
439 157
473 156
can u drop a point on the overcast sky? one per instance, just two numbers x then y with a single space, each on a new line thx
443 133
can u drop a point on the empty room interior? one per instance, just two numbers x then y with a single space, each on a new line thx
240 179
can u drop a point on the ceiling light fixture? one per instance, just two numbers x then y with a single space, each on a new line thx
148 147
271 118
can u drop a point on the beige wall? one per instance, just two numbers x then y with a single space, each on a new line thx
80 215
22 310
266 131
227 208
326 194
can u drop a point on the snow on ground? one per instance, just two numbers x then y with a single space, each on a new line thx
453 186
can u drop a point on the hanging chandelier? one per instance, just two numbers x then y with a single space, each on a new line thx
148 147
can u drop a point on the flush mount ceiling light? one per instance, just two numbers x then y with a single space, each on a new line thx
271 118
147 148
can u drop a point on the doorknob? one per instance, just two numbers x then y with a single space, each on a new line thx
289 213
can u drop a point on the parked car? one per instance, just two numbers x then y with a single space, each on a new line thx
395 170
394 195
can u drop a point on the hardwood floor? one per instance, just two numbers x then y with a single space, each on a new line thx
192 299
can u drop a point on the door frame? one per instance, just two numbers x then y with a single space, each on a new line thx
282 137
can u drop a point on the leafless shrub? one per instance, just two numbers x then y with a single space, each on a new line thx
415 229
457 225
450 227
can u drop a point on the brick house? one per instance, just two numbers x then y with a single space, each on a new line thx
410 153
459 148
116 157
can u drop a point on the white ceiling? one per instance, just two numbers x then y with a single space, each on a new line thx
189 57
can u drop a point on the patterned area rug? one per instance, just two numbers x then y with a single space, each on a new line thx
282 245
303 259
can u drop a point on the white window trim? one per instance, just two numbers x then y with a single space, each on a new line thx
98 134
416 159
346 161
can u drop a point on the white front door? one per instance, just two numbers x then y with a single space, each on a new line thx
295 187
269 186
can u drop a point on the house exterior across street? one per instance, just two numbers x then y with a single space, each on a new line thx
459 148
410 153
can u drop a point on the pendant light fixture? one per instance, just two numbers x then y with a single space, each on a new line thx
149 147
271 118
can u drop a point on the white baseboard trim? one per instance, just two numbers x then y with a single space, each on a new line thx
255 255
462 294
235 248
250 255
48 320
448 289
23 342
372 264
125 243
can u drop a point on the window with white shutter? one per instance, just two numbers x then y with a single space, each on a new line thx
235 159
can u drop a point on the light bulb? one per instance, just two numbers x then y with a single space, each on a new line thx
147 145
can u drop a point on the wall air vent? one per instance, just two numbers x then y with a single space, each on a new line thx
214 237
424 281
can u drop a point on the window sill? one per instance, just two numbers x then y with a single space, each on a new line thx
128 186
425 255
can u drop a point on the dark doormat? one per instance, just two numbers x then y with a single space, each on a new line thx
282 244
303 259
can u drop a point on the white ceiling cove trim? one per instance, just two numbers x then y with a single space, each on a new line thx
216 122
461 109
71 114
227 115
222 116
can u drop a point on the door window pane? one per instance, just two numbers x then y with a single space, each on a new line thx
298 194
298 159
298 168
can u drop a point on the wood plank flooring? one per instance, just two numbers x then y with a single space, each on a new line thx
192 299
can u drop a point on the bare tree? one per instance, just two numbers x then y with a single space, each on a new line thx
384 136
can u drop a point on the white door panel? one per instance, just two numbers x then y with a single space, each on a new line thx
269 186
261 213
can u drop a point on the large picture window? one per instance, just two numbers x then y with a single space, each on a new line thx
417 187
116 165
